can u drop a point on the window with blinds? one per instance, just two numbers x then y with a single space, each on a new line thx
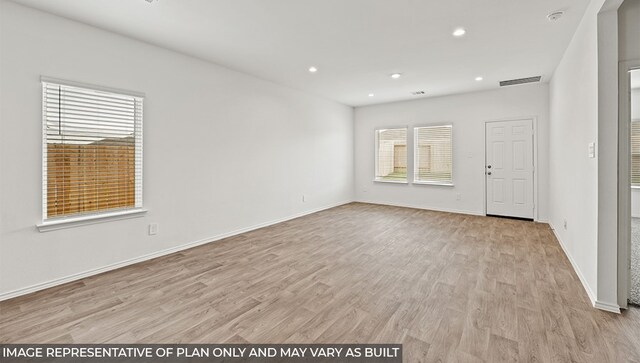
433 162
635 153
92 151
391 155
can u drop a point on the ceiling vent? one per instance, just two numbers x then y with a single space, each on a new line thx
418 93
555 16
513 82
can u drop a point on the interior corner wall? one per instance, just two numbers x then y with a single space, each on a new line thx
583 190
573 176
223 151
468 114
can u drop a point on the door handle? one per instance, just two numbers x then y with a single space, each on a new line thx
488 166
489 173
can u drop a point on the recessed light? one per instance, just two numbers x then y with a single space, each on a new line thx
396 75
371 95
479 79
459 32
313 69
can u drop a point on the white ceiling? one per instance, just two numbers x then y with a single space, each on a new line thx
356 44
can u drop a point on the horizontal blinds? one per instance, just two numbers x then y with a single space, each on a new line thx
433 154
635 153
391 155
92 151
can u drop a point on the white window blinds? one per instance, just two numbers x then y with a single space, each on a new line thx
635 153
391 155
92 151
433 154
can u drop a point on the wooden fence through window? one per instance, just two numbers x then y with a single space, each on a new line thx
87 178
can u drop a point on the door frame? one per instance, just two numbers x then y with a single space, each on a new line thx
624 180
534 121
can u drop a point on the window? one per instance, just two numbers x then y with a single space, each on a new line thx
92 151
635 153
433 155
391 155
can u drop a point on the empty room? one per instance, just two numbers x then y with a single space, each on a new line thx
330 181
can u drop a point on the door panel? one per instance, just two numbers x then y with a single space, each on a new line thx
498 190
498 151
519 156
509 169
519 189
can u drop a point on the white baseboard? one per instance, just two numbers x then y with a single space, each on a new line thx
81 275
404 205
596 304
612 308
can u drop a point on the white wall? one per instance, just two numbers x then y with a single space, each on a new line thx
584 109
635 203
573 175
468 113
584 99
285 144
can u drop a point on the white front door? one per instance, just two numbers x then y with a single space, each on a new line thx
509 168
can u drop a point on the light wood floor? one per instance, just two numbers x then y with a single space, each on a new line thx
452 287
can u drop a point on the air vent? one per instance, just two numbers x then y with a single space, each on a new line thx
513 82
418 93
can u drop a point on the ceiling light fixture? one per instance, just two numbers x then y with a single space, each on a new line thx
396 75
313 69
459 32
479 79
371 95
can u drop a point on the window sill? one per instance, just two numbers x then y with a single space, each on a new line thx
71 222
390 181
433 183
635 187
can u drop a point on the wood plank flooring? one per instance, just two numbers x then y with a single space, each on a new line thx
450 287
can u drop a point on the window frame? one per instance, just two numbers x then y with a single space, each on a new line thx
415 154
73 220
375 154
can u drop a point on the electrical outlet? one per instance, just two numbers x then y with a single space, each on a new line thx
565 224
304 198
153 229
458 196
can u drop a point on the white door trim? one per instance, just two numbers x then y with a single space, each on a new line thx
624 181
534 121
